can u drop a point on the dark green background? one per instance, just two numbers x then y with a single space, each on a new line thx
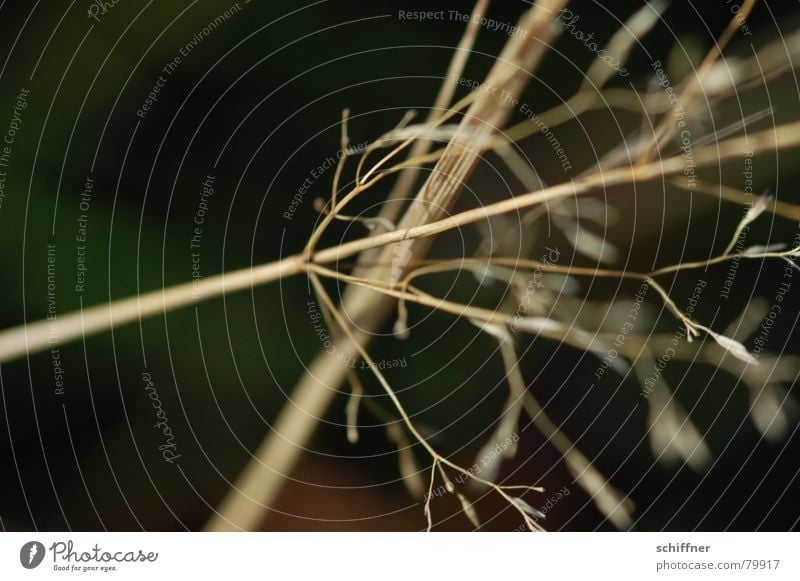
88 459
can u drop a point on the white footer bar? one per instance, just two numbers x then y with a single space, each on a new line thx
399 556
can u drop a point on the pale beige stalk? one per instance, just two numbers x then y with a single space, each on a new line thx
34 337
258 487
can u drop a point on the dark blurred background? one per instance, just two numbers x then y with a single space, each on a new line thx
256 103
